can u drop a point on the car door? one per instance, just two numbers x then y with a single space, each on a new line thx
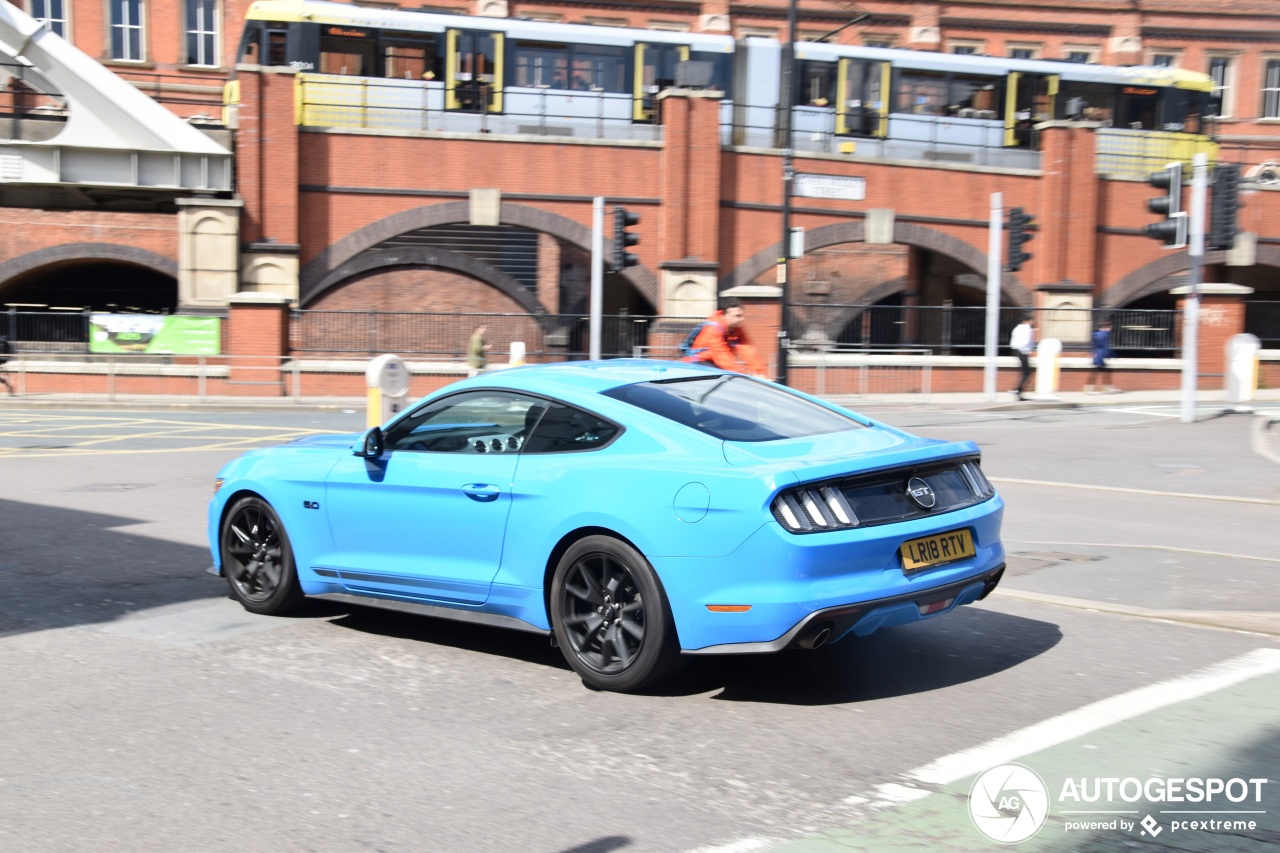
427 519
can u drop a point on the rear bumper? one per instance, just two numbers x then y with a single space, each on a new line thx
832 623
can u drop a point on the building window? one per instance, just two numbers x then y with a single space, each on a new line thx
1024 51
1164 60
1222 70
52 12
202 32
757 33
604 22
126 30
964 48
669 26
1083 55
878 40
1271 89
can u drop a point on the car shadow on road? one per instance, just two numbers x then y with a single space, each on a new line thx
64 567
967 645
970 644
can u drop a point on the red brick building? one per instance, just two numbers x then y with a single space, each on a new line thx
327 204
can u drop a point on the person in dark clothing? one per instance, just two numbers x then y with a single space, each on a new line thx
6 349
1100 369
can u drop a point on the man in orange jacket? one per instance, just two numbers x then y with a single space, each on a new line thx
723 341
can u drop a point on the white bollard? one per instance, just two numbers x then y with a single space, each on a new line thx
1048 364
516 358
1242 371
387 378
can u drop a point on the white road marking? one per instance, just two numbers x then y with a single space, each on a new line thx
1170 548
920 783
1191 495
1074 724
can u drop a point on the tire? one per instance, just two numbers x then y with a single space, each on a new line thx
611 616
257 559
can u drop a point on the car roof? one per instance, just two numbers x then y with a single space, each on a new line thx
574 378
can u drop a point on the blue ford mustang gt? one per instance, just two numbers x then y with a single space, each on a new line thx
633 510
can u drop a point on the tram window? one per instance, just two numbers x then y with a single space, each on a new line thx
975 97
277 47
346 56
1097 102
251 44
719 68
920 92
817 83
600 68
541 64
411 59
579 67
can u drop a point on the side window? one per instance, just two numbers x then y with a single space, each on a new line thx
478 422
564 429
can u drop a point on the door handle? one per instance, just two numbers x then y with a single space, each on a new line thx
482 492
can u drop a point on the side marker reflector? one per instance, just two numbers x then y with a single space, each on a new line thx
728 608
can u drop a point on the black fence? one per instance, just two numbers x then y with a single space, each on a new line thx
953 330
942 330
546 337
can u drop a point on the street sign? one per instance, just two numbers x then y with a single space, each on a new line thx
830 186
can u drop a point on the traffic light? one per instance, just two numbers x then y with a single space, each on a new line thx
1019 235
1225 209
622 238
1173 231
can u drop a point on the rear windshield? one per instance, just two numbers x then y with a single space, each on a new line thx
734 408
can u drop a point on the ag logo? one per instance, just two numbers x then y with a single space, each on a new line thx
1009 803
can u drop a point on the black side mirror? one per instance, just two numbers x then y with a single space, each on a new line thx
370 445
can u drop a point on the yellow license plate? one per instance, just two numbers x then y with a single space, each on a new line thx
933 550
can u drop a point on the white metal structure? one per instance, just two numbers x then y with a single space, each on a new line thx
113 135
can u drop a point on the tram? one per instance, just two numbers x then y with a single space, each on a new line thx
406 70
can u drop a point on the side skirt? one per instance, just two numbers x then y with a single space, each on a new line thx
496 620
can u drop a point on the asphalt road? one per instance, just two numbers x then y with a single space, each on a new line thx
1136 634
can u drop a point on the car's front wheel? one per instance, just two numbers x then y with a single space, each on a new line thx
257 559
611 616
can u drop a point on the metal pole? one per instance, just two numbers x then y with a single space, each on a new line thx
990 350
597 274
786 103
1191 313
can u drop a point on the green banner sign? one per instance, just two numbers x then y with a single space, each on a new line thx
155 334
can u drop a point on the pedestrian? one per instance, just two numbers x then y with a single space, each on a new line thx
1100 369
476 350
722 340
6 349
1023 343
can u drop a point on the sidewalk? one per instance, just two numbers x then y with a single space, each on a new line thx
1207 400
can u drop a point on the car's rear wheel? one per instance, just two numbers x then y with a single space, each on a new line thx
611 616
257 559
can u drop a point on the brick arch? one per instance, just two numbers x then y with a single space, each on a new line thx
452 212
421 256
905 233
113 252
1152 278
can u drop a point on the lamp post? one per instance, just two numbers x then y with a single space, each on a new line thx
786 100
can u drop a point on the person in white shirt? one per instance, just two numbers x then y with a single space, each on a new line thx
1023 342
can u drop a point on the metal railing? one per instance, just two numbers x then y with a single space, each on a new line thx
961 330
547 337
371 103
1263 319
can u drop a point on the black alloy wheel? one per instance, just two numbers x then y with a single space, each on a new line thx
611 617
257 559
